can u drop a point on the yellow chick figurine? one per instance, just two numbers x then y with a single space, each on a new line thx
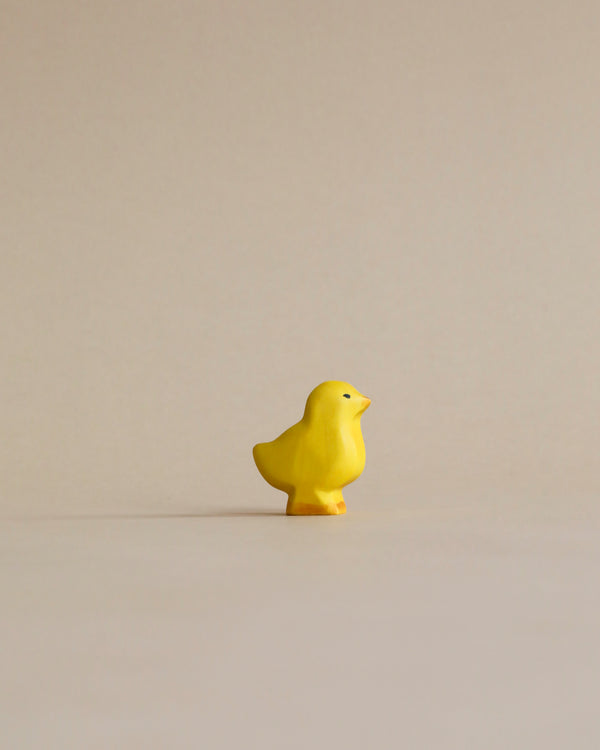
319 455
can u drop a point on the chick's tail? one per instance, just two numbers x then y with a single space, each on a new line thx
265 458
261 453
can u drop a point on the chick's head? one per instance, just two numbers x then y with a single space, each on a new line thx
336 401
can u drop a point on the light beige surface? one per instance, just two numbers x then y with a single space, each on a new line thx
423 629
209 207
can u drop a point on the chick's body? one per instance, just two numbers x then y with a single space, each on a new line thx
319 455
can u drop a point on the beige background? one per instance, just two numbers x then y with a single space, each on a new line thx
210 207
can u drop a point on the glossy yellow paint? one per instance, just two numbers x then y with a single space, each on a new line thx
319 455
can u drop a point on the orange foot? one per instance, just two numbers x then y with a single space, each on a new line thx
303 509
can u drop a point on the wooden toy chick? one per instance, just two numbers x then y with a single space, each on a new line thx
319 455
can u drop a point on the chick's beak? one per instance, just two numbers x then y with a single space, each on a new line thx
366 402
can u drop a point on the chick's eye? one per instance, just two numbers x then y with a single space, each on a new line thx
346 395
